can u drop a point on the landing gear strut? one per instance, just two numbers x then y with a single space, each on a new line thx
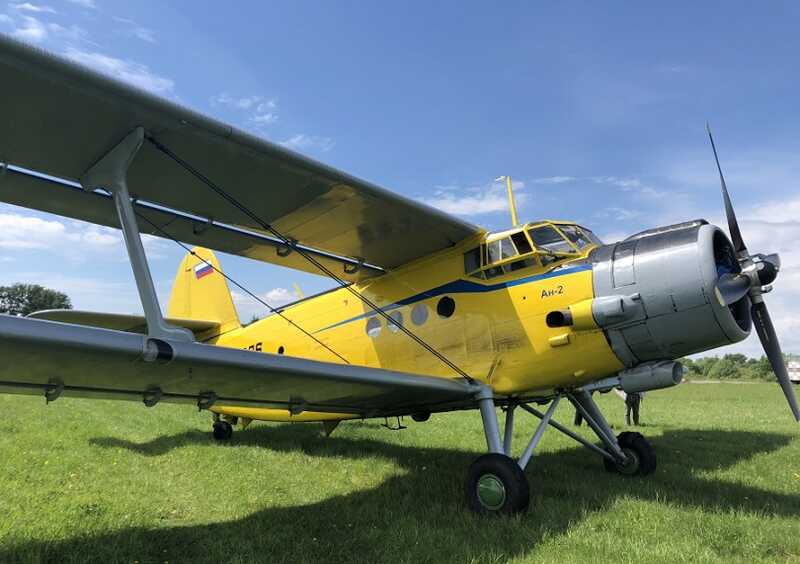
496 483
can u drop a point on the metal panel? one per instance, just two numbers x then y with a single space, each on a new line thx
59 119
624 274
92 362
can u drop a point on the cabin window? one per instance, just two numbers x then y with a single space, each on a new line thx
419 314
397 318
549 239
373 326
446 307
472 260
501 249
521 242
280 349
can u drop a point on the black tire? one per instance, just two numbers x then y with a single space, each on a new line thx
421 417
640 452
222 430
496 485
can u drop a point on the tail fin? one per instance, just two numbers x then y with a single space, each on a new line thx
201 292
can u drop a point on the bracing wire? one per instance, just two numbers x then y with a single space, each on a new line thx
242 288
291 244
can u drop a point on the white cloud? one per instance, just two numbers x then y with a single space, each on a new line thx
69 239
72 32
475 200
144 34
302 142
554 180
31 30
4 18
84 3
261 111
127 71
28 7
618 213
279 296
248 307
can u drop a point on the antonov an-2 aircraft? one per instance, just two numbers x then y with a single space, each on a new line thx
430 313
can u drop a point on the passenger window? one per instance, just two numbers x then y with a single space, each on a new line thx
521 242
472 260
446 307
397 317
549 239
373 327
419 314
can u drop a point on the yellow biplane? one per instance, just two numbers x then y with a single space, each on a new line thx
429 314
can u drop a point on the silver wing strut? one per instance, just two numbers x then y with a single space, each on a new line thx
110 173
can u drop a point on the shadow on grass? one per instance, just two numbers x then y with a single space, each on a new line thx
419 516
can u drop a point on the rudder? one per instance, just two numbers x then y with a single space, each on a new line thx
201 292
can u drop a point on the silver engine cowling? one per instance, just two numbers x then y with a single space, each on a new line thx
655 292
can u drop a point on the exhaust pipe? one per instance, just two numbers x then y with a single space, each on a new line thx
651 376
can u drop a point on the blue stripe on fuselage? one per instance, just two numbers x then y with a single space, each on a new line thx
464 287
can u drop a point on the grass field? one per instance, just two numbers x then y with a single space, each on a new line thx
101 481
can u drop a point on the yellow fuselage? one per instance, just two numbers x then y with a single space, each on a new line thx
497 333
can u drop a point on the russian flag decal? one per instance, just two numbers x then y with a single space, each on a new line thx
202 269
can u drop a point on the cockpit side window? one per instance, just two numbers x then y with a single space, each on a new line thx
521 242
575 235
472 260
547 238
501 249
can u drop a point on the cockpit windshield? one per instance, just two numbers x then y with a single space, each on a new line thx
580 236
547 238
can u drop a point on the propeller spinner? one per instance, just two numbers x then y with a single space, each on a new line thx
757 273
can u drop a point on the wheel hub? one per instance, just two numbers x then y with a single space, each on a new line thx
631 464
491 492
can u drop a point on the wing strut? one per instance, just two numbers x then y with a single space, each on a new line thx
293 245
110 173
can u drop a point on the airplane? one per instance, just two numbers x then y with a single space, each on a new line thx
429 313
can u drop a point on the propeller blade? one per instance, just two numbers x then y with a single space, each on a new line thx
733 224
769 340
731 288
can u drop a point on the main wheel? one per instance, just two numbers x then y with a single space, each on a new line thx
496 484
223 430
641 456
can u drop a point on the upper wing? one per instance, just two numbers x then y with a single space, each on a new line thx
59 119
100 363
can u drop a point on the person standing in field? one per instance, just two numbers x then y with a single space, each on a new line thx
633 401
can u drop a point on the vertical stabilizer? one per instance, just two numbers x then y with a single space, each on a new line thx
201 292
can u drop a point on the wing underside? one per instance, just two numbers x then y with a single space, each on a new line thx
101 363
59 119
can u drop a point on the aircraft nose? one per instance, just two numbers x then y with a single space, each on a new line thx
671 276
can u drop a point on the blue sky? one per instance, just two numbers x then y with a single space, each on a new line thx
596 110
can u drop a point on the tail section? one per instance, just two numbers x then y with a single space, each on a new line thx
201 292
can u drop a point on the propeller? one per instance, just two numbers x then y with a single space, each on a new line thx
757 273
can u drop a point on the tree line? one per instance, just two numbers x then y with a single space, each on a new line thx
730 367
23 299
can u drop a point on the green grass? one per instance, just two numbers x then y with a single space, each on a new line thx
116 482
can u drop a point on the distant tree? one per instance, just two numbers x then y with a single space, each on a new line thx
726 368
22 299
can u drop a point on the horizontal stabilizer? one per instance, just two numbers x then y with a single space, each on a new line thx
118 321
